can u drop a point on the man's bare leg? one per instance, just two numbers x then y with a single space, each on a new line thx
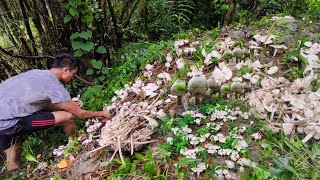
65 119
13 155
62 118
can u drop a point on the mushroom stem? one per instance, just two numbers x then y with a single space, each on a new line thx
308 137
275 52
197 100
179 100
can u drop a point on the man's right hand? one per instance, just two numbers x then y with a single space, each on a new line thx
105 113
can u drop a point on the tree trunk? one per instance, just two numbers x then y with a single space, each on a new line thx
127 21
36 19
258 10
229 13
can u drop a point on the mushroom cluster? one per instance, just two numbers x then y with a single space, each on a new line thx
293 102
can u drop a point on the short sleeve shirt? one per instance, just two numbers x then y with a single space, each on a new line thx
27 93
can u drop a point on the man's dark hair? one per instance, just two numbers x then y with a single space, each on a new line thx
65 60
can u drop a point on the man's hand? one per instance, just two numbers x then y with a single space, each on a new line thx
105 113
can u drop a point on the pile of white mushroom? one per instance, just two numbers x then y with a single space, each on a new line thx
292 102
131 127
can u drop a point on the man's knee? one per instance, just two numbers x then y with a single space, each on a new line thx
63 117
69 116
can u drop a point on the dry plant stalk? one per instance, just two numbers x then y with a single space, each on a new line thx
131 127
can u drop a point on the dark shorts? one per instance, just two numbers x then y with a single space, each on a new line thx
35 122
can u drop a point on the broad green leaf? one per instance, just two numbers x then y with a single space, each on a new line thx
74 3
73 11
101 50
67 18
76 45
96 64
87 18
150 168
66 5
74 36
78 53
86 35
29 157
89 72
88 46
105 70
102 78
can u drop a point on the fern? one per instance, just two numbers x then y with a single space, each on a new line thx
181 11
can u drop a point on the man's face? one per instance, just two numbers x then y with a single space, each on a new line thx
67 75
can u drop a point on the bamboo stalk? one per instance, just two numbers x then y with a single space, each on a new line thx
27 25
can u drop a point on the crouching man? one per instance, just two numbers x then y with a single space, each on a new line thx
37 100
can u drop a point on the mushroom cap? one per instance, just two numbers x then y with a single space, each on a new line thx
227 54
198 85
225 89
212 83
246 52
237 52
236 87
208 93
178 88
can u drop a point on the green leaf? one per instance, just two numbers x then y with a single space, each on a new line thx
88 46
66 5
89 72
150 156
29 157
87 18
133 168
76 45
140 157
150 168
123 166
104 164
102 78
86 35
66 19
74 3
96 64
73 11
187 161
260 171
78 53
101 50
74 36
105 70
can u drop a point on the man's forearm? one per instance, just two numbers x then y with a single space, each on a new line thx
89 114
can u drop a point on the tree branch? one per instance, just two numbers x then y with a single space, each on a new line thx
23 57
41 57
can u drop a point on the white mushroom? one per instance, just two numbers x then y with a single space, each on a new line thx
277 48
273 70
198 86
178 89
